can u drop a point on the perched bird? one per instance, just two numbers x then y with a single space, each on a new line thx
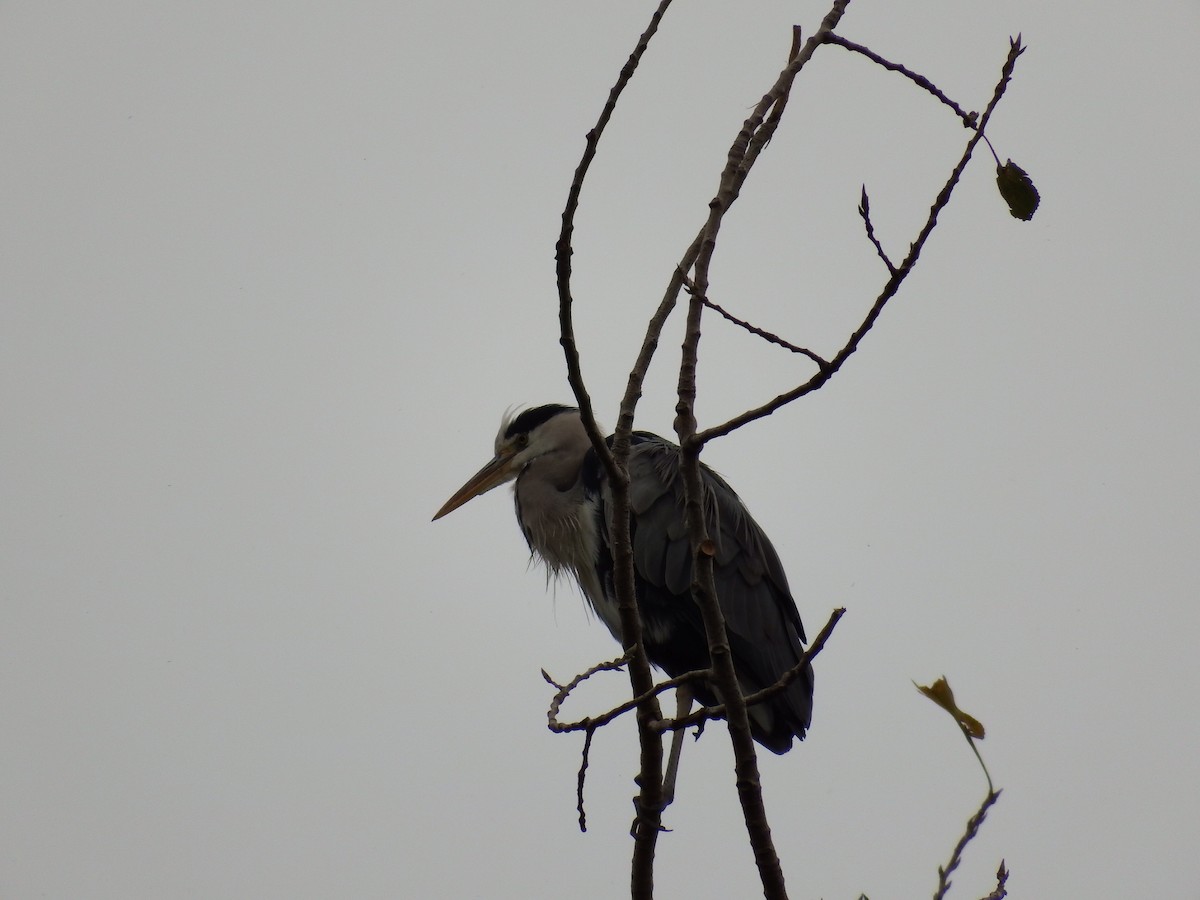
564 507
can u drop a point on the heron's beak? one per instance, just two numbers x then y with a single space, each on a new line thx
494 474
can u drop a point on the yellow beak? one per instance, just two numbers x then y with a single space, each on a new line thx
494 474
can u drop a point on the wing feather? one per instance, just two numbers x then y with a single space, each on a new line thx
765 632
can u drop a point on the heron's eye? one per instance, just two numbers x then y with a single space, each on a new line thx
522 440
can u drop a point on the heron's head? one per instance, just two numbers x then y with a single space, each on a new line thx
521 439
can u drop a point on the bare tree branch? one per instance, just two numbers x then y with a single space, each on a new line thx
617 711
649 801
864 210
1001 880
755 134
754 137
579 781
973 824
564 691
564 250
759 332
921 81
700 716
590 724
892 285
751 140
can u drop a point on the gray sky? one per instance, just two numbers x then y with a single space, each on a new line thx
273 272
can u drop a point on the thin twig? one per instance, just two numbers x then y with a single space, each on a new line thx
1001 880
617 711
973 824
704 714
564 250
696 718
864 210
564 691
754 136
765 335
587 749
649 801
890 288
921 81
975 750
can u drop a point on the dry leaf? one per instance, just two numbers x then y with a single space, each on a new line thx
939 692
1016 187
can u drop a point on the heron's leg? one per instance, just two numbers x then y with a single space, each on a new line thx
683 706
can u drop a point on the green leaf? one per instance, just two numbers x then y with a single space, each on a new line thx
1018 191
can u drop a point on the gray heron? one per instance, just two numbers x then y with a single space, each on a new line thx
563 502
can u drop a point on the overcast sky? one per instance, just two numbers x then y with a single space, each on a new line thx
273 271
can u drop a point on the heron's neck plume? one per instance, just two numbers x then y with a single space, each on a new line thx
550 496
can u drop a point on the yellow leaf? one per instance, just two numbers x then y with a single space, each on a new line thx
939 692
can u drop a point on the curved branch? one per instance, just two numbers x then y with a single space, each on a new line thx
563 249
968 119
706 713
892 286
592 722
649 801
756 133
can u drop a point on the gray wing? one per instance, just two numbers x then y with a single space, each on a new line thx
765 632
